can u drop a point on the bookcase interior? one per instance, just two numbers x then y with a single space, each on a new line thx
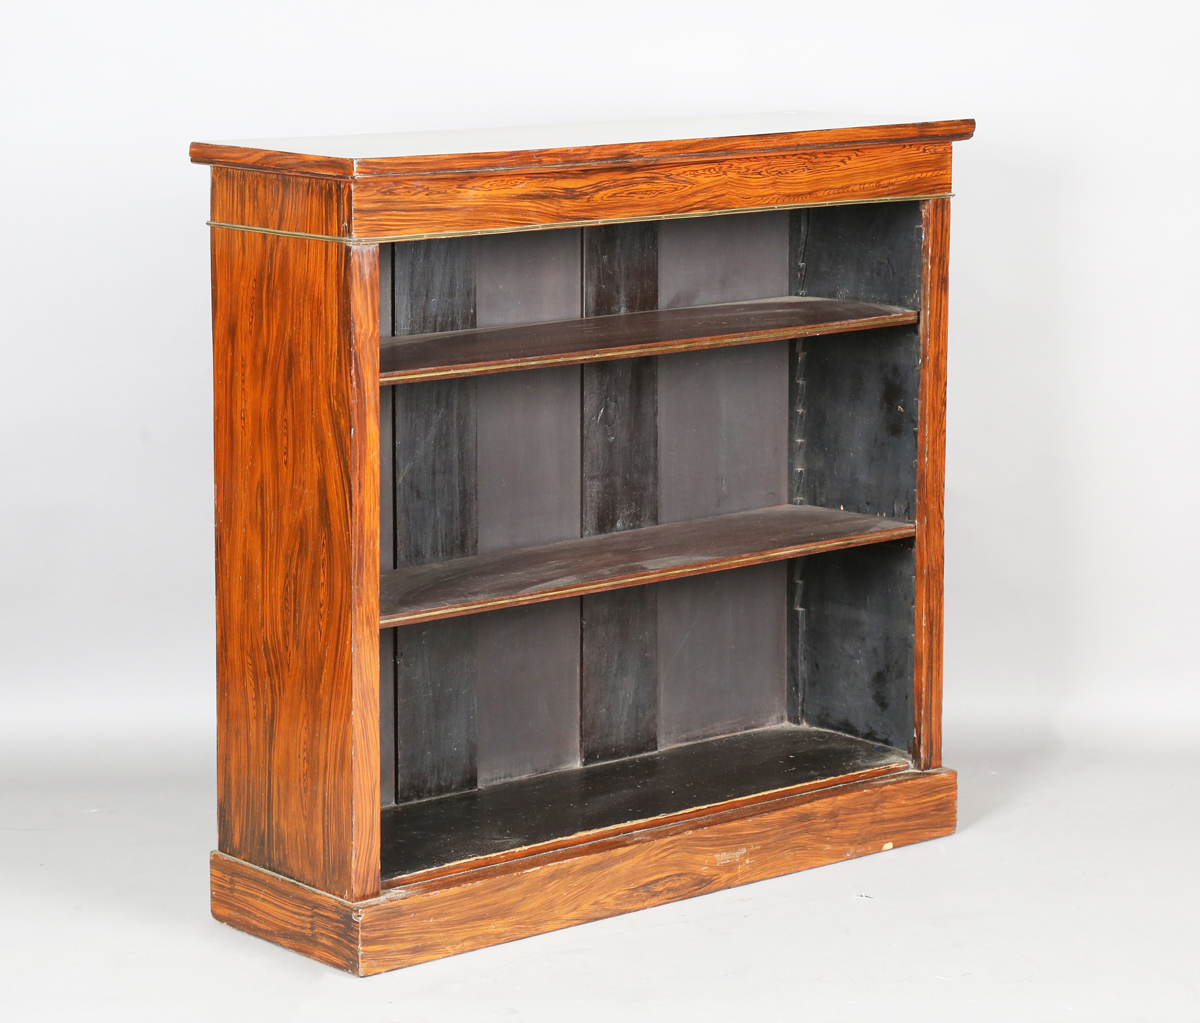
629 688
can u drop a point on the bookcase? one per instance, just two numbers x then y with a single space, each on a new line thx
578 520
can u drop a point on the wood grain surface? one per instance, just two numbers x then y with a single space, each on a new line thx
931 487
624 336
531 895
495 201
280 202
295 343
630 558
619 153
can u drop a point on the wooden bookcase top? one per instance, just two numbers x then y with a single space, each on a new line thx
366 189
566 144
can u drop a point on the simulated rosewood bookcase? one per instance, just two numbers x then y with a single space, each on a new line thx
579 520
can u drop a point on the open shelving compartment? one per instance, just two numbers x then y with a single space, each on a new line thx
578 498
648 535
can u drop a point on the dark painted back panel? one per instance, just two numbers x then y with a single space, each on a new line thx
722 653
433 481
859 430
856 623
854 404
387 556
528 493
528 277
722 259
434 286
869 252
722 430
528 458
619 640
528 690
435 708
723 436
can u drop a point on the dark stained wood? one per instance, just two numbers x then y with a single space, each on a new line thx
433 286
861 253
618 673
533 894
387 717
297 505
623 336
435 487
856 663
387 543
547 156
620 446
620 269
630 558
434 289
435 471
854 447
931 475
486 201
470 828
436 670
859 429
619 433
387 561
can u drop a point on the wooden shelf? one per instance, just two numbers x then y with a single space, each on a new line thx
627 335
613 561
471 829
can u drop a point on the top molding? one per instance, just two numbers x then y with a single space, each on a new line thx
441 184
489 149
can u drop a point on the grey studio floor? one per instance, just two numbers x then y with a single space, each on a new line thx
1069 892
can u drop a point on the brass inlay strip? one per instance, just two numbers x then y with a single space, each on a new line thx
558 225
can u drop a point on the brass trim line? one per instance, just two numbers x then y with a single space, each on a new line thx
558 225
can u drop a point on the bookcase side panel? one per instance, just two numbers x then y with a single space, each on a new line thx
295 341
931 479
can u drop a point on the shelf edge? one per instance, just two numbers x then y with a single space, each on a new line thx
646 350
899 532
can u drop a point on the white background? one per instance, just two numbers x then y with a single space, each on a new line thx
1072 694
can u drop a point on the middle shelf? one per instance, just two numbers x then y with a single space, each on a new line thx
611 561
456 353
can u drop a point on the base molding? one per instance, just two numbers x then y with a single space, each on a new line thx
531 895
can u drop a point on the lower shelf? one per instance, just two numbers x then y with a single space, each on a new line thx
471 829
533 894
